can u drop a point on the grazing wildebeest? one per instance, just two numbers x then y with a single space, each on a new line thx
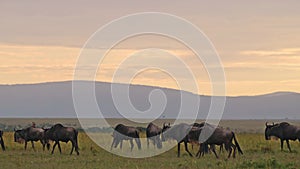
179 133
218 136
59 133
2 141
165 128
153 133
122 132
284 131
31 134
205 146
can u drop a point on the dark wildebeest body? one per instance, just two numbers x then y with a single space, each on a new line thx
179 133
205 146
122 132
59 133
284 131
31 134
215 136
195 139
2 141
153 133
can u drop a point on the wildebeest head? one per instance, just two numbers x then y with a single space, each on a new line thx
165 127
1 133
268 131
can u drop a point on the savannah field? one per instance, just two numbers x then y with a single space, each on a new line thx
258 153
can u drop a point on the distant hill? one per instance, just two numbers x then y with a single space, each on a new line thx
54 100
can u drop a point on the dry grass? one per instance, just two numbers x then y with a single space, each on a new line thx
258 153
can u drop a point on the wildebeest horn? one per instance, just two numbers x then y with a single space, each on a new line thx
266 124
164 124
273 124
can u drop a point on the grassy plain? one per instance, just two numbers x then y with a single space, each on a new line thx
258 153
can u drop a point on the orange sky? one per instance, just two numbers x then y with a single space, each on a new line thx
258 42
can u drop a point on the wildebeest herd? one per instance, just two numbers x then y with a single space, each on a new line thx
182 133
205 135
56 133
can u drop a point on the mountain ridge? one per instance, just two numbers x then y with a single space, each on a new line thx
70 81
54 100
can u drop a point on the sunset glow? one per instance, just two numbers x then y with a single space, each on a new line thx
258 45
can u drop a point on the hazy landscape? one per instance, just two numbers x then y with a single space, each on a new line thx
54 100
47 104
100 75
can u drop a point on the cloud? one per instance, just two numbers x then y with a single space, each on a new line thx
285 52
255 71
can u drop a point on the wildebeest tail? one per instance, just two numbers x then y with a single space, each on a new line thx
237 144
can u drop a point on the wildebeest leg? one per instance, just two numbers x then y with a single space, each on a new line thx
138 143
25 144
112 144
230 151
234 150
54 147
147 142
121 144
73 145
44 144
288 145
213 149
186 148
201 150
132 145
32 144
76 149
48 145
2 143
117 142
198 153
178 149
76 146
59 148
281 144
221 149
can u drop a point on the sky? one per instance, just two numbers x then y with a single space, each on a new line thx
258 43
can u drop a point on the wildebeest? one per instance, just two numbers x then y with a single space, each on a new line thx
154 132
122 132
59 133
215 136
165 128
31 134
179 133
2 141
284 131
218 136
